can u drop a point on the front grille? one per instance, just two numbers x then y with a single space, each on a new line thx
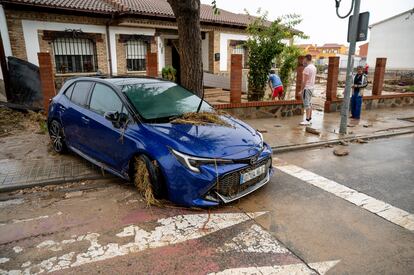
229 184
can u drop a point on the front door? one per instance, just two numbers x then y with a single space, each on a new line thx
107 142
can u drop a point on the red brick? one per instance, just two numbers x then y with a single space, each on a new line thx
379 76
236 78
152 64
332 82
47 79
299 76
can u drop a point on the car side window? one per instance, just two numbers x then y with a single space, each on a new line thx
80 92
104 99
68 92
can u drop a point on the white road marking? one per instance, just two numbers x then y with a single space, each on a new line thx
14 221
378 207
281 269
171 230
255 239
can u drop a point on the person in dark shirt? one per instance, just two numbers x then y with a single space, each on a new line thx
359 84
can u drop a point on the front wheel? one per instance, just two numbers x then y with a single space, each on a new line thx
147 179
57 137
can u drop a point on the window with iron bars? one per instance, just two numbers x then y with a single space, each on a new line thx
136 55
240 49
75 55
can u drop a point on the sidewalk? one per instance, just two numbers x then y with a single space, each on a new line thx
286 132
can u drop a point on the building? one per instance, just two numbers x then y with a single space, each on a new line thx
310 49
321 54
363 50
331 49
113 36
393 38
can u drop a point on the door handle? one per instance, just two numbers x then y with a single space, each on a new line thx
62 108
85 120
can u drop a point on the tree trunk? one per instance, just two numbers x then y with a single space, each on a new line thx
187 13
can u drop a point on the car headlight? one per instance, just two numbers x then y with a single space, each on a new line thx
193 163
261 139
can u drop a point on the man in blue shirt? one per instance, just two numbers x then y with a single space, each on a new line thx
275 85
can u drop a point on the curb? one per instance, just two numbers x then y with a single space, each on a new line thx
57 181
297 147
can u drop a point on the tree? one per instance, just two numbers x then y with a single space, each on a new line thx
187 14
267 41
288 63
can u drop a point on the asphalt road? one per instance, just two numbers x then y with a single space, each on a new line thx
318 225
290 226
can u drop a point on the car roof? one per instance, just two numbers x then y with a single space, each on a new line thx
121 81
133 80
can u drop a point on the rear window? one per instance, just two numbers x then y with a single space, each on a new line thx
80 92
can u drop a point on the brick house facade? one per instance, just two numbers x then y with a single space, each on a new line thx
113 36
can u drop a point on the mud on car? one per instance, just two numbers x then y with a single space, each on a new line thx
116 122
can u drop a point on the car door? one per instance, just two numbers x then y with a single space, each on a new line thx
107 143
72 115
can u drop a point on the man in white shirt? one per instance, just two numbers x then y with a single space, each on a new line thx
308 84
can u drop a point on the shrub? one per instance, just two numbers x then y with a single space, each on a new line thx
266 43
169 73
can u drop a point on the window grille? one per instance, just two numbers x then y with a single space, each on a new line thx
74 55
136 55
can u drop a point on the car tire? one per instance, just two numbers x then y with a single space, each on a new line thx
155 177
57 137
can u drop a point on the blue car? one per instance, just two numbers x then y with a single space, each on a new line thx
115 122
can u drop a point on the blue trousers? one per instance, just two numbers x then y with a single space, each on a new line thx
356 104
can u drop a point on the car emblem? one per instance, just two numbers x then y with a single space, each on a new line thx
253 160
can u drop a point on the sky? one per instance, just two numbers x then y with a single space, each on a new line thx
320 22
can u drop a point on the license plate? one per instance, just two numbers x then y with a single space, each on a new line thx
252 174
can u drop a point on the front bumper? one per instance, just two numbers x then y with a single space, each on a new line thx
212 187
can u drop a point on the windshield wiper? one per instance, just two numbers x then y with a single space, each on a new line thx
201 101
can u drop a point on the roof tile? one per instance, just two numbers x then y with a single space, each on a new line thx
159 8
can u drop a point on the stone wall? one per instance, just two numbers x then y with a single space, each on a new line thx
263 109
375 102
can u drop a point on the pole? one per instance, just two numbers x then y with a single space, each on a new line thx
350 66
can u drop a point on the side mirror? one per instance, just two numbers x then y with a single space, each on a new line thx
112 116
117 119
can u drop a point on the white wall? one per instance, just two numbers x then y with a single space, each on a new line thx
393 39
224 38
31 40
161 53
123 30
4 36
204 52
4 33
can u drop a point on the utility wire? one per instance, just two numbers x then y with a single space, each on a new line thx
338 3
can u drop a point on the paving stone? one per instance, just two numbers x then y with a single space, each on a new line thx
15 175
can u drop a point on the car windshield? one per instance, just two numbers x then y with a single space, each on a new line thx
162 100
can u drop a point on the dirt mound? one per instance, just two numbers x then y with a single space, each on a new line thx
12 121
